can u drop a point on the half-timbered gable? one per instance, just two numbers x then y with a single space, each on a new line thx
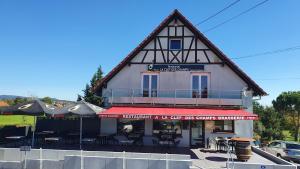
192 49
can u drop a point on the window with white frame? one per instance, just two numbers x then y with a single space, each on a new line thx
200 85
150 85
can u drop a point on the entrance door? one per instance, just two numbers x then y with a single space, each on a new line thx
197 134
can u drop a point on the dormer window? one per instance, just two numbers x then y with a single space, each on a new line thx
175 44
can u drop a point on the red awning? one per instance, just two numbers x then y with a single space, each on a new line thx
176 113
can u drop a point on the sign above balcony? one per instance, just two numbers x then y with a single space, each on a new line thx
174 67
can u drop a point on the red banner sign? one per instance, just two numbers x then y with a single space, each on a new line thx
167 117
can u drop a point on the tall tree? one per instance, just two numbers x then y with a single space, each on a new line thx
88 95
288 103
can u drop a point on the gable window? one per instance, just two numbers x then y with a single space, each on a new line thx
150 85
175 44
200 86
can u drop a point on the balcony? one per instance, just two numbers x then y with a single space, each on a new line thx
177 97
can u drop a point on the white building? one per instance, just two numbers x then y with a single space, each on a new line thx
177 81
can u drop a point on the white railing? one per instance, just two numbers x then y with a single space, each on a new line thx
177 96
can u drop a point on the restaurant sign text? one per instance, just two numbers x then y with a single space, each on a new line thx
174 67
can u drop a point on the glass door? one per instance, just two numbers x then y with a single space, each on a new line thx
197 133
200 86
150 85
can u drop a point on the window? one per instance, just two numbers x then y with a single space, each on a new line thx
167 126
200 86
129 126
275 145
224 126
293 146
150 85
175 44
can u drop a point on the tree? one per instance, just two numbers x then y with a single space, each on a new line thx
79 97
269 125
88 94
19 100
97 76
47 100
288 104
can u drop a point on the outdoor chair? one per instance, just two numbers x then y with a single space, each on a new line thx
155 142
139 140
231 145
176 143
102 139
212 143
222 145
111 140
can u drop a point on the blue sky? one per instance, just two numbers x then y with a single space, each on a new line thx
53 47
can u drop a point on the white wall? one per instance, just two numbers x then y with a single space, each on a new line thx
221 78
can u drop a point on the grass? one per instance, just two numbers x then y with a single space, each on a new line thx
16 120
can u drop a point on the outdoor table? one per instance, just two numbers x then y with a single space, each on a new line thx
46 132
126 142
42 134
52 139
13 139
88 140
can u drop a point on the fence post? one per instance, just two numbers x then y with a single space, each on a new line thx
167 161
81 160
25 160
124 162
41 158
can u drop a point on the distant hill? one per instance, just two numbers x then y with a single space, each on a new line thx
9 97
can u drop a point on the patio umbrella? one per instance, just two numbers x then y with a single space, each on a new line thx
82 109
30 108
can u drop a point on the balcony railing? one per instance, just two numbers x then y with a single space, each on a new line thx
178 96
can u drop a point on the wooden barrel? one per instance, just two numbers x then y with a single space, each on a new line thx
243 150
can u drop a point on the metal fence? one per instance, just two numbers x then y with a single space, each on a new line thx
13 158
177 93
178 96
